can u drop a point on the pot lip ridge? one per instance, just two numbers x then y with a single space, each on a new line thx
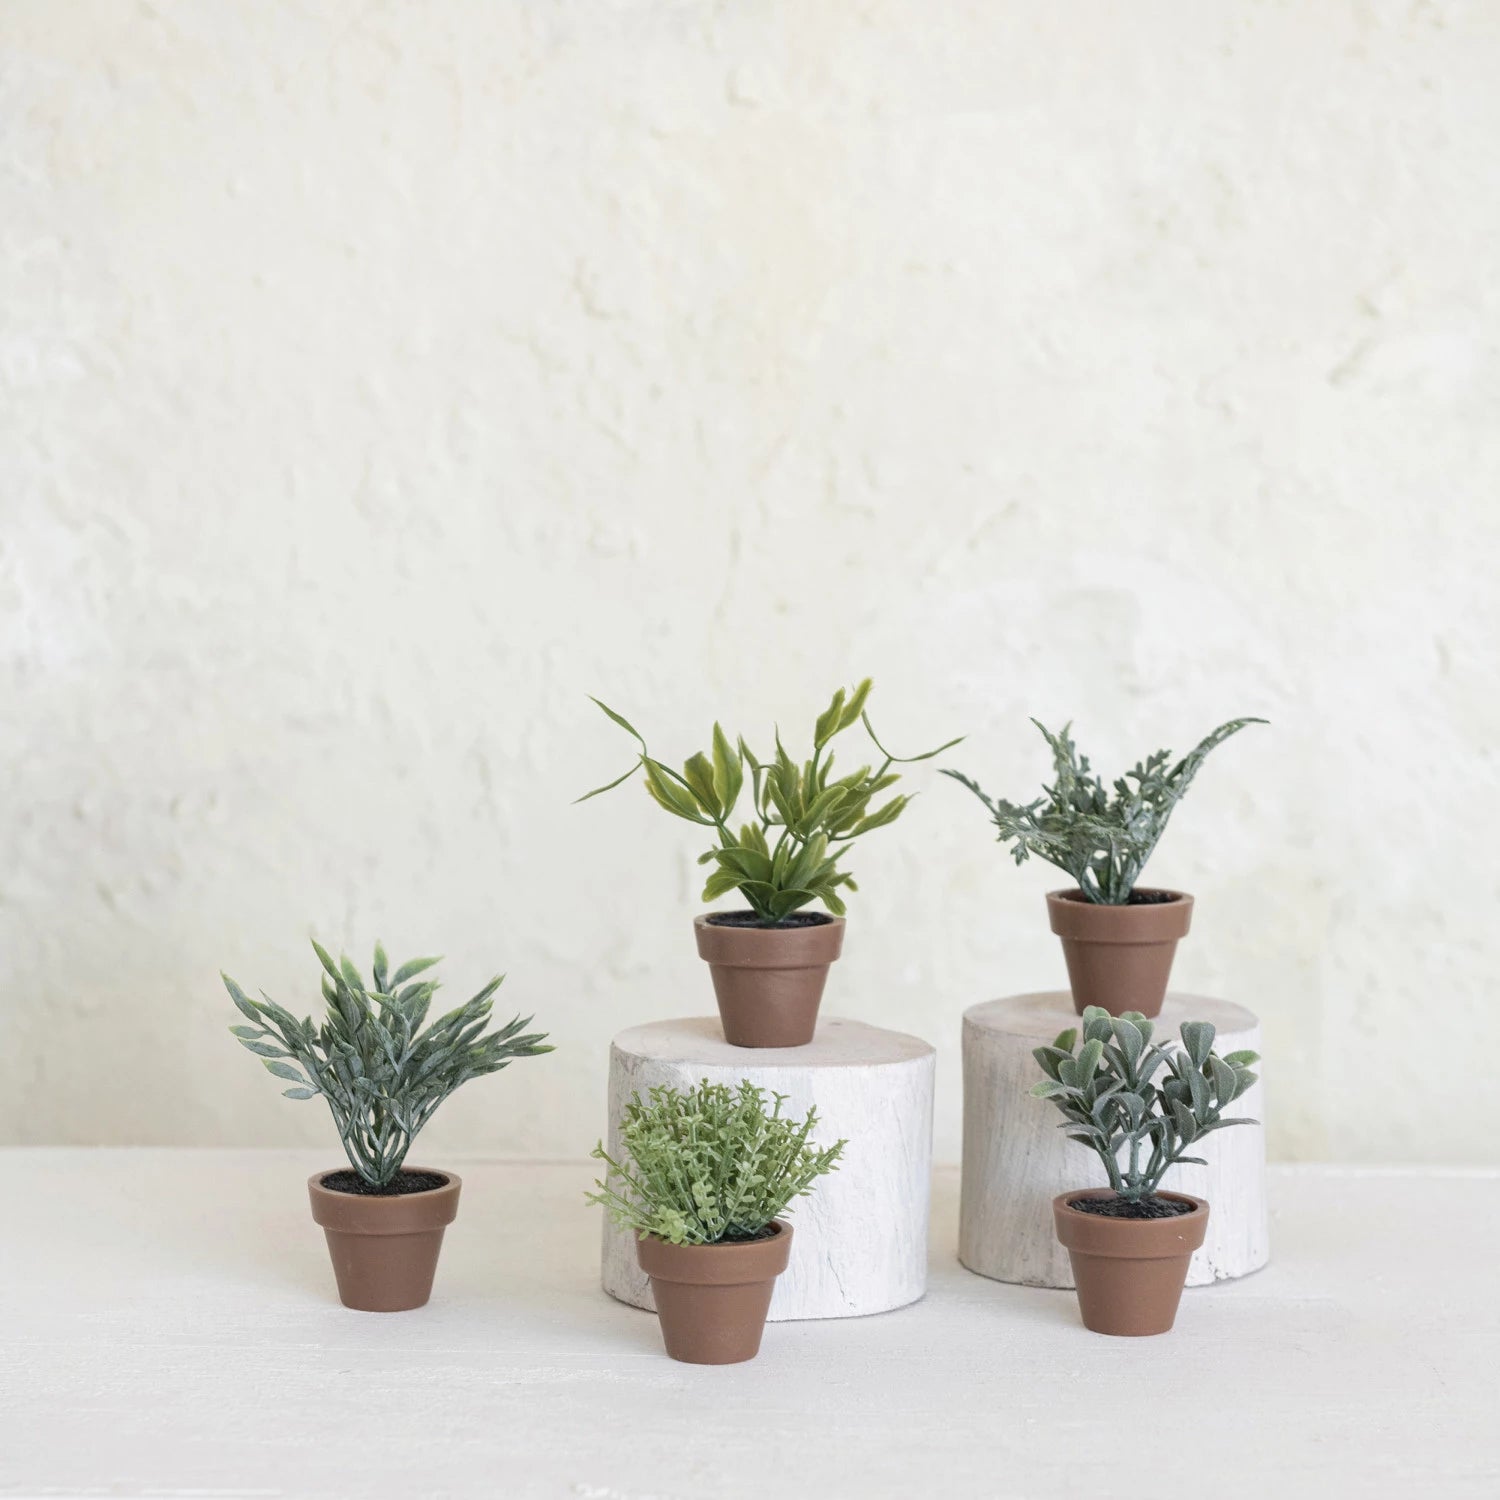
724 1263
1072 917
403 1213
1128 1239
769 947
1063 1203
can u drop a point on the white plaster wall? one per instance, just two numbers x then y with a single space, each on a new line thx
380 379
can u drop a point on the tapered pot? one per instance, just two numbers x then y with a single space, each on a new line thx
712 1300
769 980
1119 957
384 1249
1129 1272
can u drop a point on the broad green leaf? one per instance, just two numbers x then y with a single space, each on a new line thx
856 704
284 1070
699 775
412 968
881 816
828 721
670 794
1198 1038
729 775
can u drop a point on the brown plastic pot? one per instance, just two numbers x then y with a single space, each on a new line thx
384 1250
712 1299
1129 1272
769 980
1119 957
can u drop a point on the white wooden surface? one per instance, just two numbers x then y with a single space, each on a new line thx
168 1327
861 1241
1016 1159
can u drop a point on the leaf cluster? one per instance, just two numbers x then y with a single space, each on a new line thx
1102 841
382 1075
709 1164
802 816
1111 1104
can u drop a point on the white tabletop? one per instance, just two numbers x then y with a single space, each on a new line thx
168 1327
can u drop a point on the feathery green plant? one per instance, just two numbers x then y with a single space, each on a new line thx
1110 1104
1102 842
382 1075
709 1164
802 816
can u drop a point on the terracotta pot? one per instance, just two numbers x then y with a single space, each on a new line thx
769 980
1129 1272
1119 957
384 1250
712 1299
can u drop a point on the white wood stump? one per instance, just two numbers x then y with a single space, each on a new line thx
1016 1159
861 1235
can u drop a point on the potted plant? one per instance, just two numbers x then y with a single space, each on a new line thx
710 1171
383 1078
1130 1243
769 963
1118 938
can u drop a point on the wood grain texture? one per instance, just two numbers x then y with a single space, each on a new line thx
1016 1159
861 1241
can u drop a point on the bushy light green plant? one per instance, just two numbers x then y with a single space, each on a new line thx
709 1164
1110 1103
1103 842
382 1075
802 816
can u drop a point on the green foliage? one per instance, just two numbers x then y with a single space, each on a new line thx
382 1075
1110 1103
709 1164
802 816
1103 842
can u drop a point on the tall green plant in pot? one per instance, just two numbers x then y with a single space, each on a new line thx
382 1077
784 853
704 1180
1140 1105
1118 937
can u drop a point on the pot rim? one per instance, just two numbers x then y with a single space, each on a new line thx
769 947
402 1213
723 1263
1129 1239
1074 918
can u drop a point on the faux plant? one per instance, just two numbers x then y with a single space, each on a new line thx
382 1075
1112 1102
709 1164
1102 841
802 817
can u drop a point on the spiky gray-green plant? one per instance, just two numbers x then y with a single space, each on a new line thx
803 817
1111 1104
382 1075
1103 842
709 1164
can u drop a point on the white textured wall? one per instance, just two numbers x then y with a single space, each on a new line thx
381 378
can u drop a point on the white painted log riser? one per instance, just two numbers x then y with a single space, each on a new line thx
1016 1159
861 1235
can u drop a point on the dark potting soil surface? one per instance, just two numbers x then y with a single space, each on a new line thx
749 919
1136 898
346 1181
1121 1208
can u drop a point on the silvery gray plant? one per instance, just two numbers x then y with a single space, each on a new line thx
382 1075
1103 842
1111 1103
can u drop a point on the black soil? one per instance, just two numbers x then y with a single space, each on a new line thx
1137 898
749 919
345 1181
1122 1208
